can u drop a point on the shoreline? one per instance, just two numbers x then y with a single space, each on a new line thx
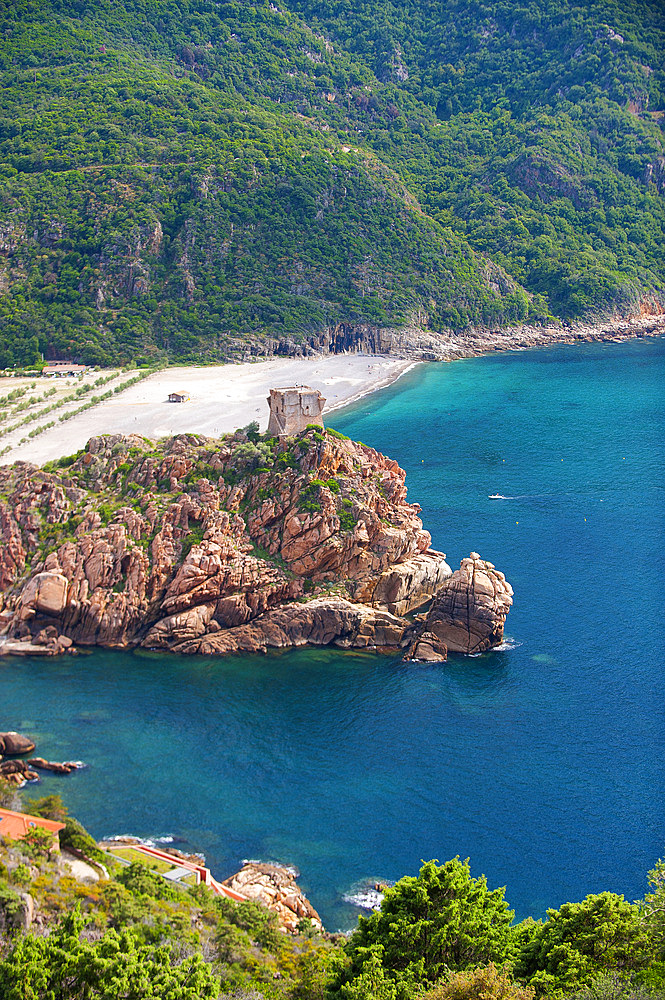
221 398
225 396
371 389
477 343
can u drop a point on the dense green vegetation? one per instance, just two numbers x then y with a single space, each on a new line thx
196 180
443 935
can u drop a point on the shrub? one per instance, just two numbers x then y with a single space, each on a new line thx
488 983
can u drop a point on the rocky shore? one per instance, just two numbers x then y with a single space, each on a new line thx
239 544
419 344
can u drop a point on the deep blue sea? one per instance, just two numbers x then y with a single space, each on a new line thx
543 763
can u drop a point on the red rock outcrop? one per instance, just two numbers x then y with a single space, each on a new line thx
469 612
52 765
15 744
277 889
213 546
17 772
426 648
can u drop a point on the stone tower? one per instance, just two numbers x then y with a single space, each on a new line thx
292 408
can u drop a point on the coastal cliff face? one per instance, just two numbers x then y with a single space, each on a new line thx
211 546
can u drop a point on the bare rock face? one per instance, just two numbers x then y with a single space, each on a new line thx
214 546
427 648
26 913
45 592
408 584
14 744
277 889
12 553
319 622
469 612
17 772
50 765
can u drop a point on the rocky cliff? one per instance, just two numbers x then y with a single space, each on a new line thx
211 546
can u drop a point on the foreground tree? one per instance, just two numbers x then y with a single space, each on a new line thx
653 908
581 940
64 967
444 919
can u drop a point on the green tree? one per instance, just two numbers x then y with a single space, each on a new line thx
38 842
48 807
653 908
9 796
612 986
580 940
65 967
442 919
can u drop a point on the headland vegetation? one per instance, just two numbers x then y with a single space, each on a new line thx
199 545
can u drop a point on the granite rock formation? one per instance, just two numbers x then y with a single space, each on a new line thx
200 545
14 744
469 611
17 772
426 648
276 888
213 546
66 767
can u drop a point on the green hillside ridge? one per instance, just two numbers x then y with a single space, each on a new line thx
195 180
441 935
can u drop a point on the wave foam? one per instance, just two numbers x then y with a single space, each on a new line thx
367 899
291 869
508 643
366 895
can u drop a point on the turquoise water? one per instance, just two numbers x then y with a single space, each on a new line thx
542 762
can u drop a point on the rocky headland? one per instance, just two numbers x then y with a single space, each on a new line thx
242 543
276 888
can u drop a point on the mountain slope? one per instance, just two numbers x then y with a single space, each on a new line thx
549 148
197 180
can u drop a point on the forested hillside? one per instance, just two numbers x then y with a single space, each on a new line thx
193 180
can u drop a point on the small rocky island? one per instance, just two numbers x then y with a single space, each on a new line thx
238 544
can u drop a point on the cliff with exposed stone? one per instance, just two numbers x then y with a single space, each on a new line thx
200 545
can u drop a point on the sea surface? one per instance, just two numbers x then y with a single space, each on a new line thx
542 762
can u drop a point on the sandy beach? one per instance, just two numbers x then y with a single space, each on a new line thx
221 398
225 397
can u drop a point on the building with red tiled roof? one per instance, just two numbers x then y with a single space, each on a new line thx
15 825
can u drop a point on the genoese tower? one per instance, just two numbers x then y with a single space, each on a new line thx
292 408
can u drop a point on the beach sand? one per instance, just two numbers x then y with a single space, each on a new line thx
221 398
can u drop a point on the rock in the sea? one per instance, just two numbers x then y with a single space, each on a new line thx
14 744
277 889
17 772
470 609
427 648
51 765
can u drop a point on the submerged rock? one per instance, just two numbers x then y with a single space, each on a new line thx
470 609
